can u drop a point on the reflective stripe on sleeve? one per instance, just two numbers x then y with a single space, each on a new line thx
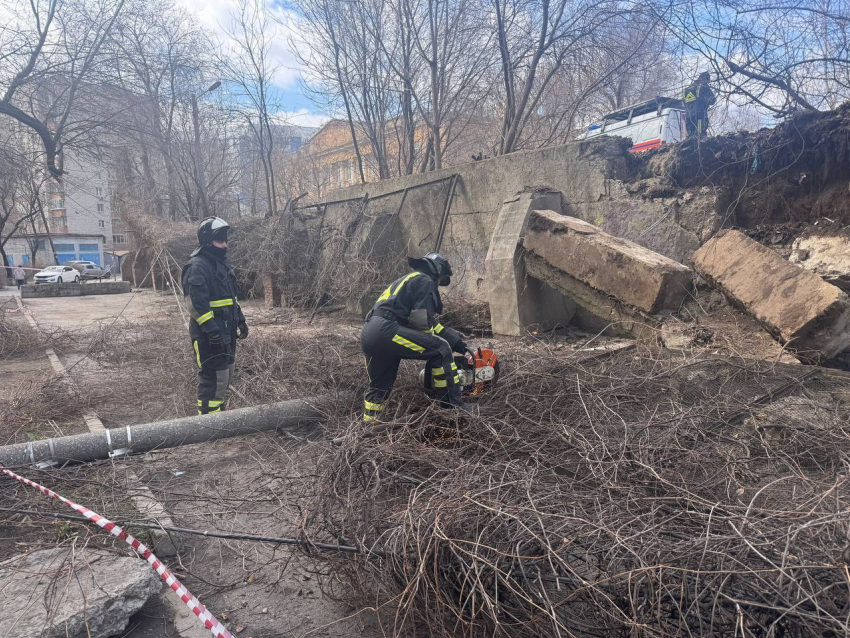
389 292
221 303
205 317
438 371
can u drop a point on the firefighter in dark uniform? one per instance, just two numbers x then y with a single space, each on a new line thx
697 98
403 325
216 320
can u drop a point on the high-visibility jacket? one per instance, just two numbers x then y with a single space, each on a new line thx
210 285
697 98
414 301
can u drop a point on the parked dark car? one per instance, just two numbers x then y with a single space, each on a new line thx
90 270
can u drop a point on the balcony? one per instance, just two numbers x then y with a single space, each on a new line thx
57 204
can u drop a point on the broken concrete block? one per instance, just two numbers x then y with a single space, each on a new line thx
516 301
826 255
596 312
622 269
794 305
72 593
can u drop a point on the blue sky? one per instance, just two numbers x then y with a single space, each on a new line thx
296 107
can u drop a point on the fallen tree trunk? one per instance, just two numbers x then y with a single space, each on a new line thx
296 415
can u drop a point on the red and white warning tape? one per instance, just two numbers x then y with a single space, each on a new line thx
203 614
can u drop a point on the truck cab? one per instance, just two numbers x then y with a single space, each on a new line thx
649 124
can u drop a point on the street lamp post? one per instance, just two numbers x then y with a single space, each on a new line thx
200 179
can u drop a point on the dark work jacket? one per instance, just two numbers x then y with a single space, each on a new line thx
210 285
415 302
697 98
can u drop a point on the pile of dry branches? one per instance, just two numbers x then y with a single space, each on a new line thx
622 496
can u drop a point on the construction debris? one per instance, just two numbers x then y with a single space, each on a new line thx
825 254
794 305
630 273
70 592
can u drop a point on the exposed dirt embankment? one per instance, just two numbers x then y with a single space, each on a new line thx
796 172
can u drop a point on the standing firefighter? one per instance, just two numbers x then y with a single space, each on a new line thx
403 325
216 318
697 98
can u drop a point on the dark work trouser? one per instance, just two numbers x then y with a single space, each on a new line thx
385 343
696 122
215 372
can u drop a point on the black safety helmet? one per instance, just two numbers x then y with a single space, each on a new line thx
705 76
435 265
212 229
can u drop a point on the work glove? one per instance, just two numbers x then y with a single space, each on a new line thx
460 347
242 330
216 342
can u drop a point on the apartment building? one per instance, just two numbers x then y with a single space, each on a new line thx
79 215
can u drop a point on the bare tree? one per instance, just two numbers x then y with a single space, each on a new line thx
450 39
22 175
49 53
782 56
249 68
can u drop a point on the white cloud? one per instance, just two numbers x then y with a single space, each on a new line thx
216 16
301 117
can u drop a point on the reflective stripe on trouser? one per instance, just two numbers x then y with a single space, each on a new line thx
372 411
212 389
385 343
438 376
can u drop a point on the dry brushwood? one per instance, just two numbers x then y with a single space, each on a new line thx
626 496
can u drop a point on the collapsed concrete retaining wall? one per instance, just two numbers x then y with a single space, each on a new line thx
368 230
35 291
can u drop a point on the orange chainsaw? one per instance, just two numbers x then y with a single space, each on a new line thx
477 369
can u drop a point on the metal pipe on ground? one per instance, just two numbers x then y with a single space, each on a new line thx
294 416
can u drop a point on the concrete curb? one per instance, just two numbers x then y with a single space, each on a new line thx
38 291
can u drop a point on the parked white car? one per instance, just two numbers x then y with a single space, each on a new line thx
57 275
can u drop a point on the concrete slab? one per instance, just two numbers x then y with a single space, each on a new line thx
517 302
632 274
73 593
596 311
796 306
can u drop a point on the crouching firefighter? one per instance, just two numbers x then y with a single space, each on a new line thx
216 320
402 325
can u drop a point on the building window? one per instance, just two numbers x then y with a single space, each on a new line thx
101 223
57 204
89 248
63 248
98 191
59 222
119 239
100 209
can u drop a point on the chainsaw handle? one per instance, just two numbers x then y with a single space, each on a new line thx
471 353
